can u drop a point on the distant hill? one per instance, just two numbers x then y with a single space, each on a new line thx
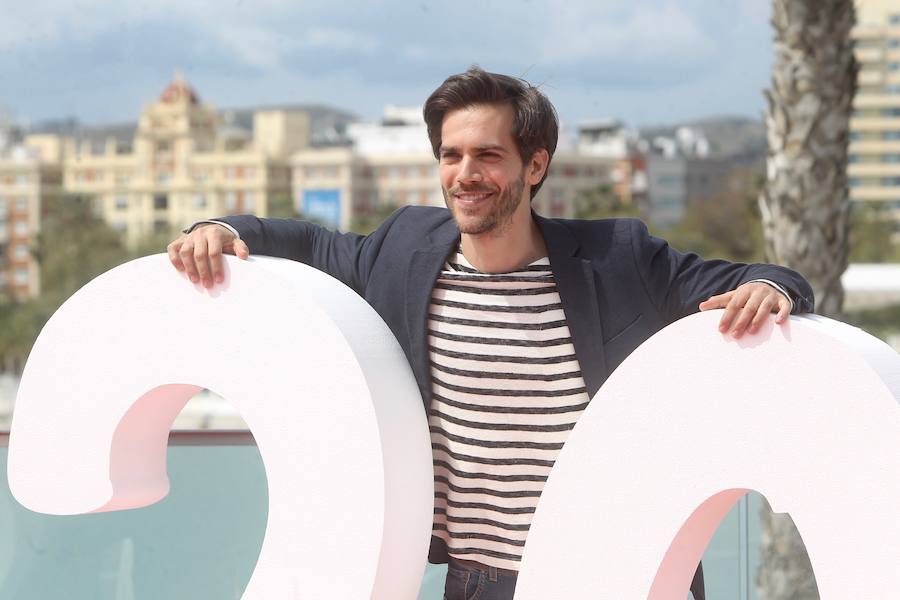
738 139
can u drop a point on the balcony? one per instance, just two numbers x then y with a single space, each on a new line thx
202 541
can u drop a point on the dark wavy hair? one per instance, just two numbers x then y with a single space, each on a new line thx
535 125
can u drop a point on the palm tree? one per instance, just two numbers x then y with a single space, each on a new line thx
805 207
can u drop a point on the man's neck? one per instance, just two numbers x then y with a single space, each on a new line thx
505 250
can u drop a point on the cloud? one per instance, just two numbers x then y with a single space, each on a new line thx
359 53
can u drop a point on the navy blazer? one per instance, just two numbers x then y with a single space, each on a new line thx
618 284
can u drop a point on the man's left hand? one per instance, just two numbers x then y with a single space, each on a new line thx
748 306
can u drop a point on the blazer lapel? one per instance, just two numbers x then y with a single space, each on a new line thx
575 280
425 265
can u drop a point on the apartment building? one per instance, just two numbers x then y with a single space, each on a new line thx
30 173
874 153
390 163
185 161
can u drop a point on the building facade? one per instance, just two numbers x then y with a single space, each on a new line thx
185 161
30 173
391 164
874 152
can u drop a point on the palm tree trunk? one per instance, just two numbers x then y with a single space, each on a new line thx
805 207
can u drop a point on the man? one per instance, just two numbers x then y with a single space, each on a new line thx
511 322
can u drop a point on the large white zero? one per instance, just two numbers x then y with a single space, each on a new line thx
316 374
805 413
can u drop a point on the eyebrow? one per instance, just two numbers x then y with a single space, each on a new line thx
482 148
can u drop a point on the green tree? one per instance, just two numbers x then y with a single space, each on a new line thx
602 203
871 234
281 206
73 247
727 226
368 222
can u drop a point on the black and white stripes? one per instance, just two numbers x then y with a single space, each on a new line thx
506 391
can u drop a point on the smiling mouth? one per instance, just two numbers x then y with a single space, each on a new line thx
472 197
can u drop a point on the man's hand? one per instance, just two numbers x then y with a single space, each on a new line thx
199 253
748 306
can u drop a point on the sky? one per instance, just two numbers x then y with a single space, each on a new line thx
645 62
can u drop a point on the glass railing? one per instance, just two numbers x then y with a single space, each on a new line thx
201 542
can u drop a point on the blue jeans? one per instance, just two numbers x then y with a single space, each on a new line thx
465 582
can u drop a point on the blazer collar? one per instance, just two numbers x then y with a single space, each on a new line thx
425 266
579 287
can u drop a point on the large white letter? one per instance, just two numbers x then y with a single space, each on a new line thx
805 413
318 377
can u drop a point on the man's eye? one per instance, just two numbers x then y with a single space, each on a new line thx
490 156
449 157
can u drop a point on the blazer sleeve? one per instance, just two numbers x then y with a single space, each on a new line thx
678 282
348 257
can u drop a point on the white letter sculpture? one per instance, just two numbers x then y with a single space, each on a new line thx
805 413
318 377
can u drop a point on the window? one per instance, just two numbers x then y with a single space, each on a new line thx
21 276
249 202
892 158
21 204
121 202
20 252
894 20
893 43
163 147
21 179
163 177
891 135
890 112
854 181
230 202
2 204
160 225
21 228
853 159
199 201
891 181
122 177
120 226
160 201
893 66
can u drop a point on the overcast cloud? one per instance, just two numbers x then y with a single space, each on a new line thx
644 61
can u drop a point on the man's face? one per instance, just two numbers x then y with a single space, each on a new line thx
482 175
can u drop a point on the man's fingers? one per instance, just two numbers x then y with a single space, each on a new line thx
765 309
241 250
746 314
719 301
733 309
215 259
201 258
784 310
186 253
174 257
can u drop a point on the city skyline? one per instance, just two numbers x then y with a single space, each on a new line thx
646 63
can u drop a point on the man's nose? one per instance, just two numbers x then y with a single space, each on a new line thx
469 171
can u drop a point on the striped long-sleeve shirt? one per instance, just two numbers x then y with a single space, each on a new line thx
506 391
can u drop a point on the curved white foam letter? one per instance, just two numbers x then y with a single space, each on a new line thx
318 377
805 413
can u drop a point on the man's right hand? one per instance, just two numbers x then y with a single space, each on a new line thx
199 253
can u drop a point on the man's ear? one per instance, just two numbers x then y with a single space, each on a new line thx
536 167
